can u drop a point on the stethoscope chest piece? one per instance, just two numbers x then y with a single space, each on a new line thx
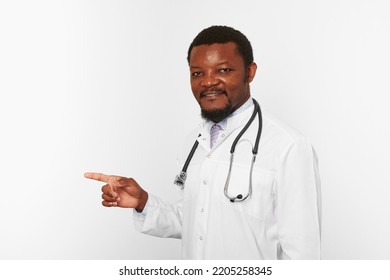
181 179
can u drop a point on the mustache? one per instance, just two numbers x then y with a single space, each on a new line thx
212 90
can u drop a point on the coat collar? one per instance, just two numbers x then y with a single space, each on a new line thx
233 122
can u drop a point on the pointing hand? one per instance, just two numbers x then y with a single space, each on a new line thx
120 191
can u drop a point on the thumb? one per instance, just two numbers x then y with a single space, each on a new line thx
114 181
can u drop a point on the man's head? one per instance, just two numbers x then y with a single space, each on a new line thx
221 67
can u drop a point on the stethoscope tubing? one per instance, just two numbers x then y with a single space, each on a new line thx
240 197
180 179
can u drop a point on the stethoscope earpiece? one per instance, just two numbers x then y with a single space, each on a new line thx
238 197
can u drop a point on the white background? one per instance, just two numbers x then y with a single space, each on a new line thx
104 86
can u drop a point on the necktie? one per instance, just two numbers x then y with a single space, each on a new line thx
214 131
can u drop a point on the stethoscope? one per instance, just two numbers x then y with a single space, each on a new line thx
181 178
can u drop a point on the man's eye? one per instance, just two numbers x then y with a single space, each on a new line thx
225 70
196 74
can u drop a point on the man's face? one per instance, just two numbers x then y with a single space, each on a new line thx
219 80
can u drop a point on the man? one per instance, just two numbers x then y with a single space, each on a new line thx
280 217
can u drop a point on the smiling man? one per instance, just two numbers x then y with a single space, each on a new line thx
219 79
250 190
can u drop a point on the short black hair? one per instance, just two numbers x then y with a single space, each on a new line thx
224 34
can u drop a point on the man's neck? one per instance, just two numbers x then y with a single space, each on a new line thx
241 109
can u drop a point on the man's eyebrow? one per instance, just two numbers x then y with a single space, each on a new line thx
223 62
219 64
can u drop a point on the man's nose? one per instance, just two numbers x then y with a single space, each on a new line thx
209 80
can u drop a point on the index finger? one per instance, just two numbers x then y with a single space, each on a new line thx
97 176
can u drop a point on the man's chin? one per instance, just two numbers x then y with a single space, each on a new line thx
217 115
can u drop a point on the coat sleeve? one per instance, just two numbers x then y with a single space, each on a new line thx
162 219
298 203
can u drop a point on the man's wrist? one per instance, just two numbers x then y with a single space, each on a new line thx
142 202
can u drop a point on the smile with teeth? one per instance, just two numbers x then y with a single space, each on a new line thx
211 94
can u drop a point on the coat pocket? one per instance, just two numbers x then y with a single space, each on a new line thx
260 203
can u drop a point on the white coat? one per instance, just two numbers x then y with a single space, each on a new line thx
281 220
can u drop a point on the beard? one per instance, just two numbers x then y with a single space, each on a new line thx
217 115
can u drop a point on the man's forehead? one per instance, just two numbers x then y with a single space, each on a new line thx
217 49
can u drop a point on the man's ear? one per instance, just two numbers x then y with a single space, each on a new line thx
251 72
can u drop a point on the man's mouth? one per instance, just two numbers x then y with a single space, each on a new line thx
211 93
